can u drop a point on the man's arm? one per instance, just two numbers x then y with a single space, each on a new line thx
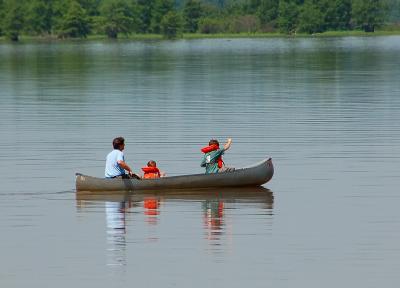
125 166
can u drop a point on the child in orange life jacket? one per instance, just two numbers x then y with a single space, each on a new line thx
151 171
212 159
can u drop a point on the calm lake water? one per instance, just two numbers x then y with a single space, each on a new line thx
326 110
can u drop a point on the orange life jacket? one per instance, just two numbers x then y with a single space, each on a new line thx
151 172
213 148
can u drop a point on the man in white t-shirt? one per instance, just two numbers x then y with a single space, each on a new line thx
115 162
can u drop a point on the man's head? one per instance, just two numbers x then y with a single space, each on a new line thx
119 143
213 142
151 163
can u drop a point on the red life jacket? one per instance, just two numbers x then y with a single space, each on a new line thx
151 172
213 148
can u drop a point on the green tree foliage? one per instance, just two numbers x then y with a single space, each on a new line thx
288 16
145 14
338 15
193 10
91 6
221 3
75 23
171 24
211 25
161 8
234 8
77 18
394 10
39 16
211 11
242 24
60 9
311 19
369 14
268 11
13 21
1 16
118 16
251 6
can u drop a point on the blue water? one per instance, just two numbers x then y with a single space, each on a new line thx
325 110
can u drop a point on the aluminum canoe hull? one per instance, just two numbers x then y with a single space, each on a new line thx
254 175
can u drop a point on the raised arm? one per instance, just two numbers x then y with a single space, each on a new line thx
228 144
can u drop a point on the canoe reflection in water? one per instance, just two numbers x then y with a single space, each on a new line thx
214 203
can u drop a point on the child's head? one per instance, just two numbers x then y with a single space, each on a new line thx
151 163
213 142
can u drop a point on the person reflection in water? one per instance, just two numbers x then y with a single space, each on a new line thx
116 233
213 218
151 210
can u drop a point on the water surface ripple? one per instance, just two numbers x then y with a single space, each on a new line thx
325 110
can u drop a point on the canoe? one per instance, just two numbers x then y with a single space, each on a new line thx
254 175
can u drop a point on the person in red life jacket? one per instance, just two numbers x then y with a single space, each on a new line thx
151 171
212 159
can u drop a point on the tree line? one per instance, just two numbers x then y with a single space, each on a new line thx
80 18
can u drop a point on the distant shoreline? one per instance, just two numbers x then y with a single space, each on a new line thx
139 37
